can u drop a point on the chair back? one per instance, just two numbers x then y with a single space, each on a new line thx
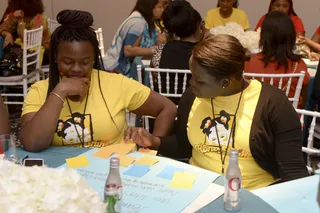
31 50
285 81
310 149
166 81
52 25
100 40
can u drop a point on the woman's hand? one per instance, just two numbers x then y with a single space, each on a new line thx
18 14
314 56
8 39
303 40
142 138
73 87
162 38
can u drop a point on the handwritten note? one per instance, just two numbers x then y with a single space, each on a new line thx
121 149
125 160
148 151
78 162
182 180
137 170
146 160
168 172
148 193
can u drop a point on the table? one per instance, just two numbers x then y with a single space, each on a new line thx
290 197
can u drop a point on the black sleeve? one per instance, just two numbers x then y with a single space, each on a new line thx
286 129
178 145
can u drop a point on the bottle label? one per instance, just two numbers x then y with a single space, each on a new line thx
232 188
118 204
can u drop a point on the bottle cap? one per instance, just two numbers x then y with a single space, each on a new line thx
114 162
111 189
234 153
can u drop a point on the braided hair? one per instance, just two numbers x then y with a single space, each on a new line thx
75 25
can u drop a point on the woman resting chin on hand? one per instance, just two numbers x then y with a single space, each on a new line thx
80 105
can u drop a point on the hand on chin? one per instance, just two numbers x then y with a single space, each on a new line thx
74 98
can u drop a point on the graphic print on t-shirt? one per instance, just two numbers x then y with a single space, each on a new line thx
76 125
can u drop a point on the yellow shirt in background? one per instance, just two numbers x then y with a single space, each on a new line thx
214 19
120 93
203 137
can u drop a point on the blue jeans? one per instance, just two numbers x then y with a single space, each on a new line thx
1 47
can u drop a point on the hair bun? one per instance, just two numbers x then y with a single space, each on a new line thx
75 18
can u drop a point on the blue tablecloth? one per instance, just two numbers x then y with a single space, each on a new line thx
55 157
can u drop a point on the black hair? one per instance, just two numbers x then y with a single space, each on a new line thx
145 7
75 26
277 39
235 4
181 19
291 10
30 8
221 55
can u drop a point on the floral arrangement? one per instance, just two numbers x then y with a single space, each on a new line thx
41 189
248 39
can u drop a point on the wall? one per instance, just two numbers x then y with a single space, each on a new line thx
109 14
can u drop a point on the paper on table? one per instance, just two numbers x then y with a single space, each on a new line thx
125 160
145 160
137 170
121 149
148 151
182 180
213 192
77 162
168 172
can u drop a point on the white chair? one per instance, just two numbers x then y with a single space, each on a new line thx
31 57
52 25
310 149
100 39
156 75
282 84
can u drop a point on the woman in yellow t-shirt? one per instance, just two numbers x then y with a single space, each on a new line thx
80 105
226 11
221 110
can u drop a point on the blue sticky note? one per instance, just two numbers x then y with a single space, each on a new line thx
168 172
137 170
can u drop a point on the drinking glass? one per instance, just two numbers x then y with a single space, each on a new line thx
8 148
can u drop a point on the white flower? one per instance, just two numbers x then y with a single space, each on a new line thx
41 189
248 39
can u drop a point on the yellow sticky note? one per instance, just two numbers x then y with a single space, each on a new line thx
125 160
182 180
148 151
148 161
77 162
103 153
123 148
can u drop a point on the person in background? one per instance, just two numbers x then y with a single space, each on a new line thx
126 43
285 6
277 40
221 111
4 124
28 15
182 20
226 11
82 106
316 36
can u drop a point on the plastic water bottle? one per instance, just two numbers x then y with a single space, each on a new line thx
232 184
113 188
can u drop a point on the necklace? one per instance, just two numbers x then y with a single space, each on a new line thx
232 131
82 120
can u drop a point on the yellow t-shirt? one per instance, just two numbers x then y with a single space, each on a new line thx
214 19
120 93
203 137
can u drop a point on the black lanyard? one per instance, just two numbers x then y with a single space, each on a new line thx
232 131
82 120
